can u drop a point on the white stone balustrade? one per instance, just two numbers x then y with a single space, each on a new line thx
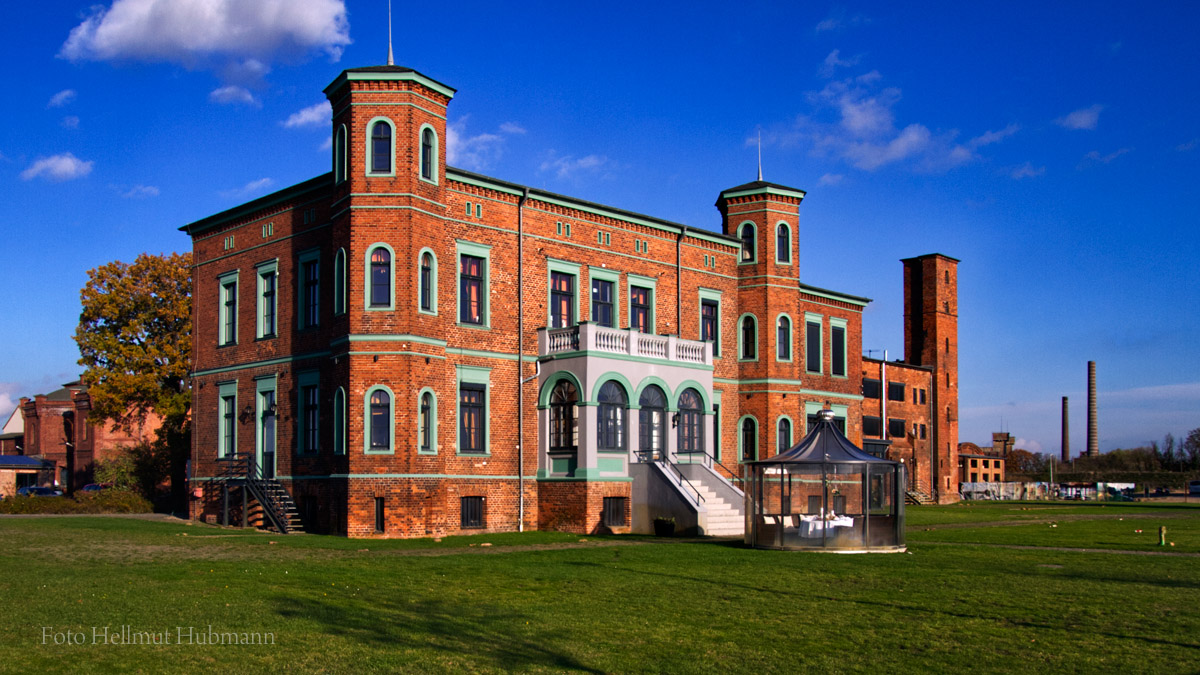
592 337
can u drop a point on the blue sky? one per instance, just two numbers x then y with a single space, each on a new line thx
1049 146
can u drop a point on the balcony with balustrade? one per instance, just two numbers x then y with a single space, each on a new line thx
589 339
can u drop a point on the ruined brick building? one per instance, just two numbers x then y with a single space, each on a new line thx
403 348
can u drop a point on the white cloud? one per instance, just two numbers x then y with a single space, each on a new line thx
140 192
251 189
568 166
1027 170
58 168
61 98
70 122
1094 157
232 94
1189 146
990 137
1082 119
327 144
831 179
854 119
317 115
838 20
480 151
186 31
1027 444
834 61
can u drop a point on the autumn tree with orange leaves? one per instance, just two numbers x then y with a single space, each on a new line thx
135 342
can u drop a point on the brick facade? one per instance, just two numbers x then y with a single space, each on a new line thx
59 429
398 348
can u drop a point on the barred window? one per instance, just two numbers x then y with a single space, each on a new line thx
471 510
614 511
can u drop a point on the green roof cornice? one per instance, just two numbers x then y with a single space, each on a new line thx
388 73
259 204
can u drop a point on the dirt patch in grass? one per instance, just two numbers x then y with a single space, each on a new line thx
1056 519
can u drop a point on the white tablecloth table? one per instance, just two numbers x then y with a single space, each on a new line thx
813 526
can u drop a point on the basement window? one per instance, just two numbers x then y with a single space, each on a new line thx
614 511
471 513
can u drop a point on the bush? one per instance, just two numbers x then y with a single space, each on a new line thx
105 501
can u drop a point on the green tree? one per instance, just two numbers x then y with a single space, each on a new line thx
135 342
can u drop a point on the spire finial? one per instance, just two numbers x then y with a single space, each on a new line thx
390 62
760 154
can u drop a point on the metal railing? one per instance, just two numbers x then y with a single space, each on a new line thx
244 470
665 459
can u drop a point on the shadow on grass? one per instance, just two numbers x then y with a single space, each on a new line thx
908 608
442 633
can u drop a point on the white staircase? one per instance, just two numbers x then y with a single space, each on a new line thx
724 519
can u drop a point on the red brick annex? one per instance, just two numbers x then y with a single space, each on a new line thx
399 348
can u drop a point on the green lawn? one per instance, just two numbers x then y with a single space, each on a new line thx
959 601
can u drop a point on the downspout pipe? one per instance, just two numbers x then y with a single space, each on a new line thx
521 360
679 281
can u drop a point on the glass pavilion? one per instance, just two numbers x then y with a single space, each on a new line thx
825 494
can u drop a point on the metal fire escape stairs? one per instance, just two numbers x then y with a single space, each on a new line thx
276 509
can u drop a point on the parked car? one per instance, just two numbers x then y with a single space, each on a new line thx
95 487
1160 490
34 491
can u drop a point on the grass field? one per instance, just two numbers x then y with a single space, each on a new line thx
985 588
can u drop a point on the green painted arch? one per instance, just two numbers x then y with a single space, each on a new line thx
791 337
742 260
780 260
646 382
741 349
705 399
548 386
611 375
791 433
433 421
741 453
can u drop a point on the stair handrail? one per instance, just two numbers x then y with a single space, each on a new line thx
244 468
735 476
666 459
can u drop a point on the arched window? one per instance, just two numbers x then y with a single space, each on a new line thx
749 338
379 425
783 243
564 425
610 425
691 423
381 277
339 282
428 148
339 154
381 147
783 338
749 439
339 421
784 442
748 244
426 423
426 291
652 423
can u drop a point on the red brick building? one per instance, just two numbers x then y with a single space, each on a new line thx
404 348
910 405
985 464
56 428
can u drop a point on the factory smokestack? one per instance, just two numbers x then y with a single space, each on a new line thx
1066 433
1093 443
